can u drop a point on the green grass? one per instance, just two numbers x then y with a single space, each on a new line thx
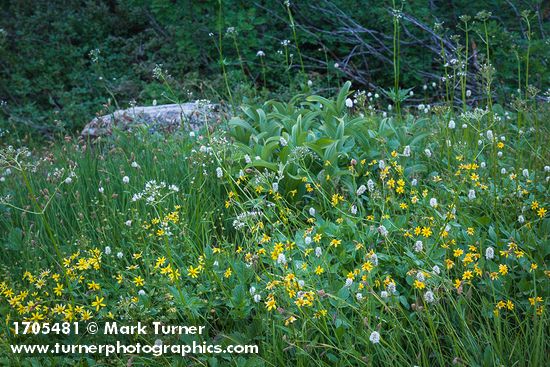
67 235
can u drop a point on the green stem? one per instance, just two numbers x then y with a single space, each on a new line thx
293 26
220 51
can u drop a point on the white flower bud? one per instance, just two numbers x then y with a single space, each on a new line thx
429 297
489 253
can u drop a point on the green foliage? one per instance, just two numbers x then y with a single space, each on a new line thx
323 227
50 83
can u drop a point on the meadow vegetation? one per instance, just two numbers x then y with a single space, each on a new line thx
369 226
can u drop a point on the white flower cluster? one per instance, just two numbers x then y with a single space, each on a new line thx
154 192
244 218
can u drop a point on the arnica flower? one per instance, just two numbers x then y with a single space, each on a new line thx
374 337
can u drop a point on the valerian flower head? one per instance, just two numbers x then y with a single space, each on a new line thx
383 231
429 297
489 253
318 251
370 185
374 337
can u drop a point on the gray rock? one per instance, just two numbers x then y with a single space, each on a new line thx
162 118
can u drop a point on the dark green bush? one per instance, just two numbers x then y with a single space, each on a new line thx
47 79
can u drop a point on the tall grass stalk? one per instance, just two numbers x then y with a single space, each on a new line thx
219 46
396 57
294 35
464 69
